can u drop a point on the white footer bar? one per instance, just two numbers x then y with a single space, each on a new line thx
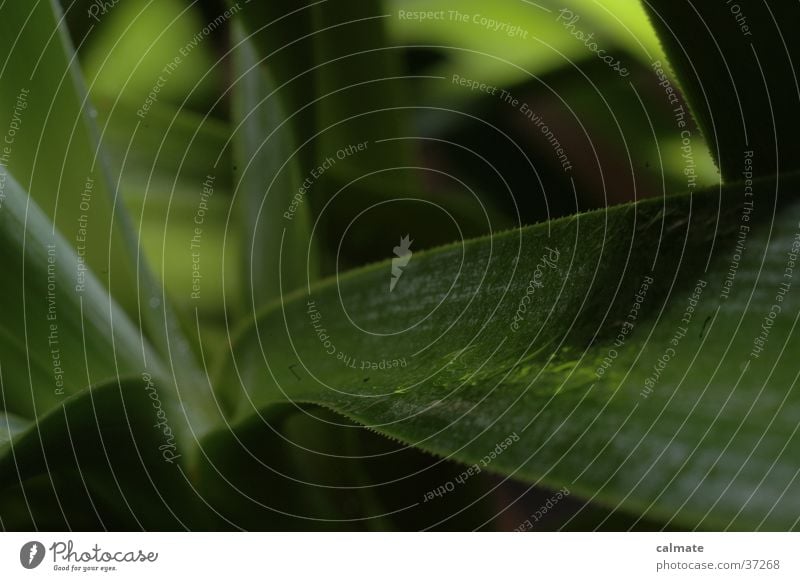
399 556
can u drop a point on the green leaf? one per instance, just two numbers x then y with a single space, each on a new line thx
348 103
336 71
147 37
56 156
105 456
300 467
540 352
166 164
56 339
279 255
736 64
53 502
174 149
60 331
539 45
10 426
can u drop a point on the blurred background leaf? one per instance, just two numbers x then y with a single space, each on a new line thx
278 255
148 36
618 24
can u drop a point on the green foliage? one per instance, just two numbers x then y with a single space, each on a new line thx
639 355
468 376
277 219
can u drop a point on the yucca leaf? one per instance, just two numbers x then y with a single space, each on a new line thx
348 103
103 456
56 158
340 82
54 153
56 340
558 334
278 253
175 149
336 71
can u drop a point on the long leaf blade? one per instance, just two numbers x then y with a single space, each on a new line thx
279 255
55 121
557 334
